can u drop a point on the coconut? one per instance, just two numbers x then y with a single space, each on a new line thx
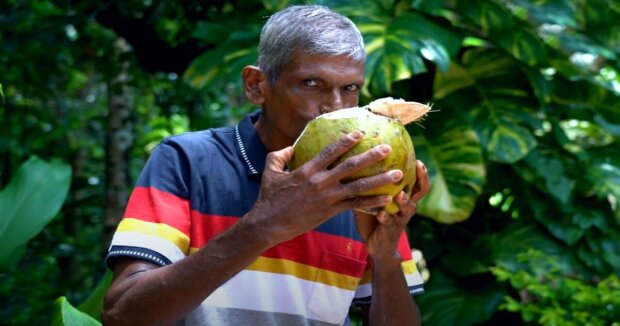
378 129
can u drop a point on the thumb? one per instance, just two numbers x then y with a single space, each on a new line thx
277 160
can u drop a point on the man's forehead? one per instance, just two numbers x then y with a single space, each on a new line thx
324 64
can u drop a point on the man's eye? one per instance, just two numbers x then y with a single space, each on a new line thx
310 82
352 87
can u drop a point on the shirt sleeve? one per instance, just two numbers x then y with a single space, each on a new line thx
156 222
363 294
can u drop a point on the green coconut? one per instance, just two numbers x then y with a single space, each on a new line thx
378 129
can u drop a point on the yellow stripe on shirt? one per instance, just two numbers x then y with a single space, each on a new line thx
156 229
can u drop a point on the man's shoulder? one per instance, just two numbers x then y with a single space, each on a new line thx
192 139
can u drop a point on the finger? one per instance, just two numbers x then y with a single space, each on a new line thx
383 217
407 207
359 162
362 185
276 161
365 203
332 152
423 183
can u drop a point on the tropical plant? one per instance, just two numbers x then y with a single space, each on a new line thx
28 203
521 145
548 297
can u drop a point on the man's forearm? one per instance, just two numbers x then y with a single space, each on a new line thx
161 296
391 301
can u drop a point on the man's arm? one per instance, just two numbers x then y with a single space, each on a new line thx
391 303
143 293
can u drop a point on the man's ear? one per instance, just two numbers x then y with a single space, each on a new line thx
255 84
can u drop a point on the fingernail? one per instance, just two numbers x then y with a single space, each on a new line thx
355 135
424 167
386 199
396 175
404 197
384 149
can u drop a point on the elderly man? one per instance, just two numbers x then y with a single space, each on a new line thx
218 232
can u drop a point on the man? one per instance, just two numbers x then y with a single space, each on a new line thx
219 232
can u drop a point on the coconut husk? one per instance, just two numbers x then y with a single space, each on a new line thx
406 112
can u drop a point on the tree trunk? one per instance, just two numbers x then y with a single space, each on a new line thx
119 141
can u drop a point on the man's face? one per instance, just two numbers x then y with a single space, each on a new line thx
308 87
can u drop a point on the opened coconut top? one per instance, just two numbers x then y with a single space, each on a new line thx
400 109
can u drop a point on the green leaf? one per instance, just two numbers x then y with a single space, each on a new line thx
488 15
275 5
558 12
447 302
397 46
214 32
455 165
93 305
506 142
524 45
519 238
557 221
68 315
604 175
32 198
497 92
551 170
429 6
224 62
1 93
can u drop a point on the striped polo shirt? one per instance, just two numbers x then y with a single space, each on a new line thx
196 185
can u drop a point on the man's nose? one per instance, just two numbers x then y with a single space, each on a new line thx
332 101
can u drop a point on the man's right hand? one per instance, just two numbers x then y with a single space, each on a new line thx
293 202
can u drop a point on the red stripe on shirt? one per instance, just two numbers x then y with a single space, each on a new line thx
206 226
153 205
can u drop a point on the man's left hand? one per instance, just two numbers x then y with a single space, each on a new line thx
383 231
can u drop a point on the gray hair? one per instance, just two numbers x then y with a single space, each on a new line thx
313 29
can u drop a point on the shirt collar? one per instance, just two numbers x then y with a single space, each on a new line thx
249 146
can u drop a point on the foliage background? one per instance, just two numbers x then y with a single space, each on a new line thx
522 223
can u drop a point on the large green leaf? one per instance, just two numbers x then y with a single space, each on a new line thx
587 100
32 198
489 16
275 5
453 156
585 28
551 170
88 312
520 237
506 141
604 176
238 48
491 86
397 46
558 12
586 225
505 29
447 302
68 315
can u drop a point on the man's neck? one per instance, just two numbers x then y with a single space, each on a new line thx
271 137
